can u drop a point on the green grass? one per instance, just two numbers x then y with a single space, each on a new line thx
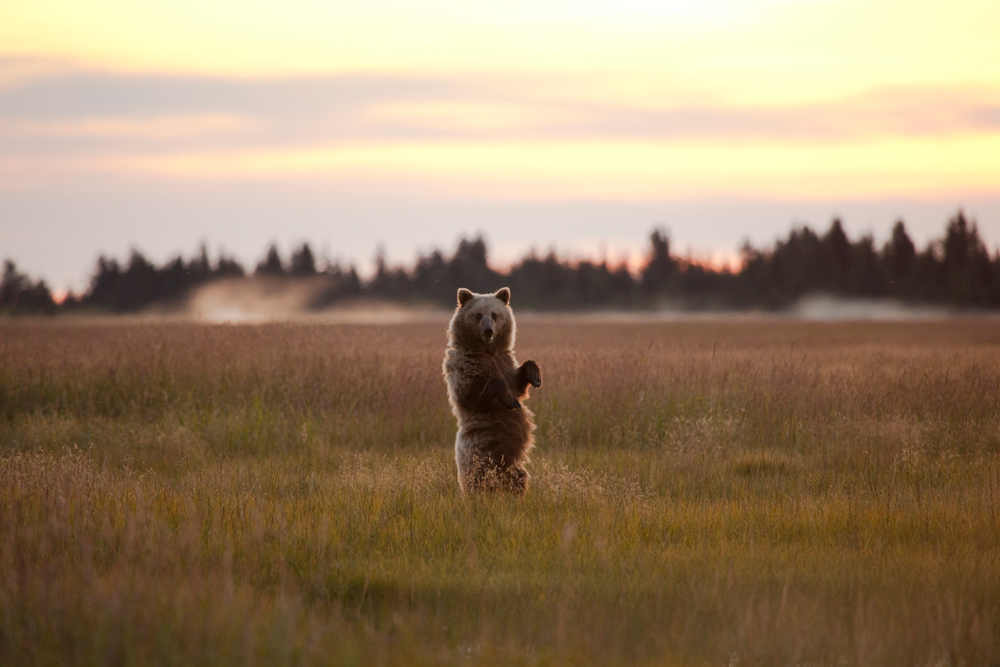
751 493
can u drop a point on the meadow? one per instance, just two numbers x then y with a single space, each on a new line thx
733 492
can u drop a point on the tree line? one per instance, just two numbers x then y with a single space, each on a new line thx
956 270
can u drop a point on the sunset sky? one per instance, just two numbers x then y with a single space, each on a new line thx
572 125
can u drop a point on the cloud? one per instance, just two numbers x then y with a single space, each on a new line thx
489 134
47 111
880 114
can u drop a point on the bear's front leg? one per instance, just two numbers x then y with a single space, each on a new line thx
529 373
497 388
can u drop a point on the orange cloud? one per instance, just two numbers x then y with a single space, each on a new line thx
637 170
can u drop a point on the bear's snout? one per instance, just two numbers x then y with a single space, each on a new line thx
487 329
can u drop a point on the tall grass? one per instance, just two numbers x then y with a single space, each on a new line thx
752 493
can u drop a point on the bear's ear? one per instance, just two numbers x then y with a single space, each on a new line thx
503 294
463 296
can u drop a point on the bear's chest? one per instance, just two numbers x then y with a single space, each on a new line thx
485 367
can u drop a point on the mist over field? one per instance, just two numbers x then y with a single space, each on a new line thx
241 301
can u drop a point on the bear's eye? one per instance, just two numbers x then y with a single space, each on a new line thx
493 315
479 316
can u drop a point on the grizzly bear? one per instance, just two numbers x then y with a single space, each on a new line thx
485 388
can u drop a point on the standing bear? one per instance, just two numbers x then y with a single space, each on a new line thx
485 388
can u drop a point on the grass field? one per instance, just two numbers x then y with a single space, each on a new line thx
704 493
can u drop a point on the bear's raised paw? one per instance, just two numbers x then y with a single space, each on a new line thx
532 373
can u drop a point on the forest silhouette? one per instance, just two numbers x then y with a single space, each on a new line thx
955 271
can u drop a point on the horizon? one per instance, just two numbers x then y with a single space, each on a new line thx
631 256
810 274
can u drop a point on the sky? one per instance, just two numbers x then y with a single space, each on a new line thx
545 124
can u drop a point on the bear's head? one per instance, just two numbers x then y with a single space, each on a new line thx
483 321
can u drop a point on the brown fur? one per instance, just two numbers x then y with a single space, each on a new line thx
485 387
